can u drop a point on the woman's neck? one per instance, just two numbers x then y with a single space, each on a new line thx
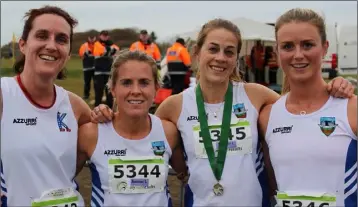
308 96
41 90
213 93
132 127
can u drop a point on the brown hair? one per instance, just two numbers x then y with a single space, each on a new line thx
31 15
300 15
125 56
210 26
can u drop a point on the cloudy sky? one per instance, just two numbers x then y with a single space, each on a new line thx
168 18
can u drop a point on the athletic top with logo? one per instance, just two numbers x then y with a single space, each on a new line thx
314 156
130 172
38 150
243 170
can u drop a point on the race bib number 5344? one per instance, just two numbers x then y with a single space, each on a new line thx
136 175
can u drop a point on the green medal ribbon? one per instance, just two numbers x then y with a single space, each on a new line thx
217 165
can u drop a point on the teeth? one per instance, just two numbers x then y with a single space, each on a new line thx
135 102
217 68
46 57
300 65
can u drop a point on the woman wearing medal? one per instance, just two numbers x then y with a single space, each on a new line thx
218 123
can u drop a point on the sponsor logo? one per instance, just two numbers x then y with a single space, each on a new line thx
283 130
115 152
26 121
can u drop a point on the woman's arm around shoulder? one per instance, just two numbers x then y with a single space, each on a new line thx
177 160
86 143
262 127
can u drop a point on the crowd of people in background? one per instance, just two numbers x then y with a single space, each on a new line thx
98 53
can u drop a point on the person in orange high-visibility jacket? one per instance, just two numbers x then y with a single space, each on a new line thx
86 54
146 45
104 51
178 63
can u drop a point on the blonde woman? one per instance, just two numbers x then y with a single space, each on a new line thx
311 136
130 156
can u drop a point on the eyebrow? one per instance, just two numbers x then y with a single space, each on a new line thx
46 31
125 79
213 43
306 40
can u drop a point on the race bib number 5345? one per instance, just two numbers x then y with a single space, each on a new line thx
136 175
240 139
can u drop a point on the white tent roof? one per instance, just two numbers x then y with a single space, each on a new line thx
250 30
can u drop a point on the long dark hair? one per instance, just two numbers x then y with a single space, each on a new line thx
31 16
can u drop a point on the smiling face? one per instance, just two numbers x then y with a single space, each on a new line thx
300 50
134 88
47 47
217 57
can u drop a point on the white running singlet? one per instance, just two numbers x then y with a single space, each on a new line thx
130 172
243 171
314 156
38 150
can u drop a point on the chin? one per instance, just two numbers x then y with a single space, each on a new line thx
48 73
216 79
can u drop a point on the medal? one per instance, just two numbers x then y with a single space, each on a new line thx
216 163
218 189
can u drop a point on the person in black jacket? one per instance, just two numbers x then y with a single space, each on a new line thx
104 50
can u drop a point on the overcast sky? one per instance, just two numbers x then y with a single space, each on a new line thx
168 18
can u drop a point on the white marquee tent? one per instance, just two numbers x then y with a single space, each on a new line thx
250 31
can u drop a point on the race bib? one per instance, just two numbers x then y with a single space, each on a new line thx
57 198
137 174
287 200
240 139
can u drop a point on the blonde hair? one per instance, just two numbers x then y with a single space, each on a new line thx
300 15
210 26
125 56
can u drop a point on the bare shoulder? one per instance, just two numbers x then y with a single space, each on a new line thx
171 108
80 108
171 132
260 95
263 120
352 113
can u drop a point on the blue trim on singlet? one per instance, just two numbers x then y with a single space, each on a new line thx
3 187
97 198
188 197
350 180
